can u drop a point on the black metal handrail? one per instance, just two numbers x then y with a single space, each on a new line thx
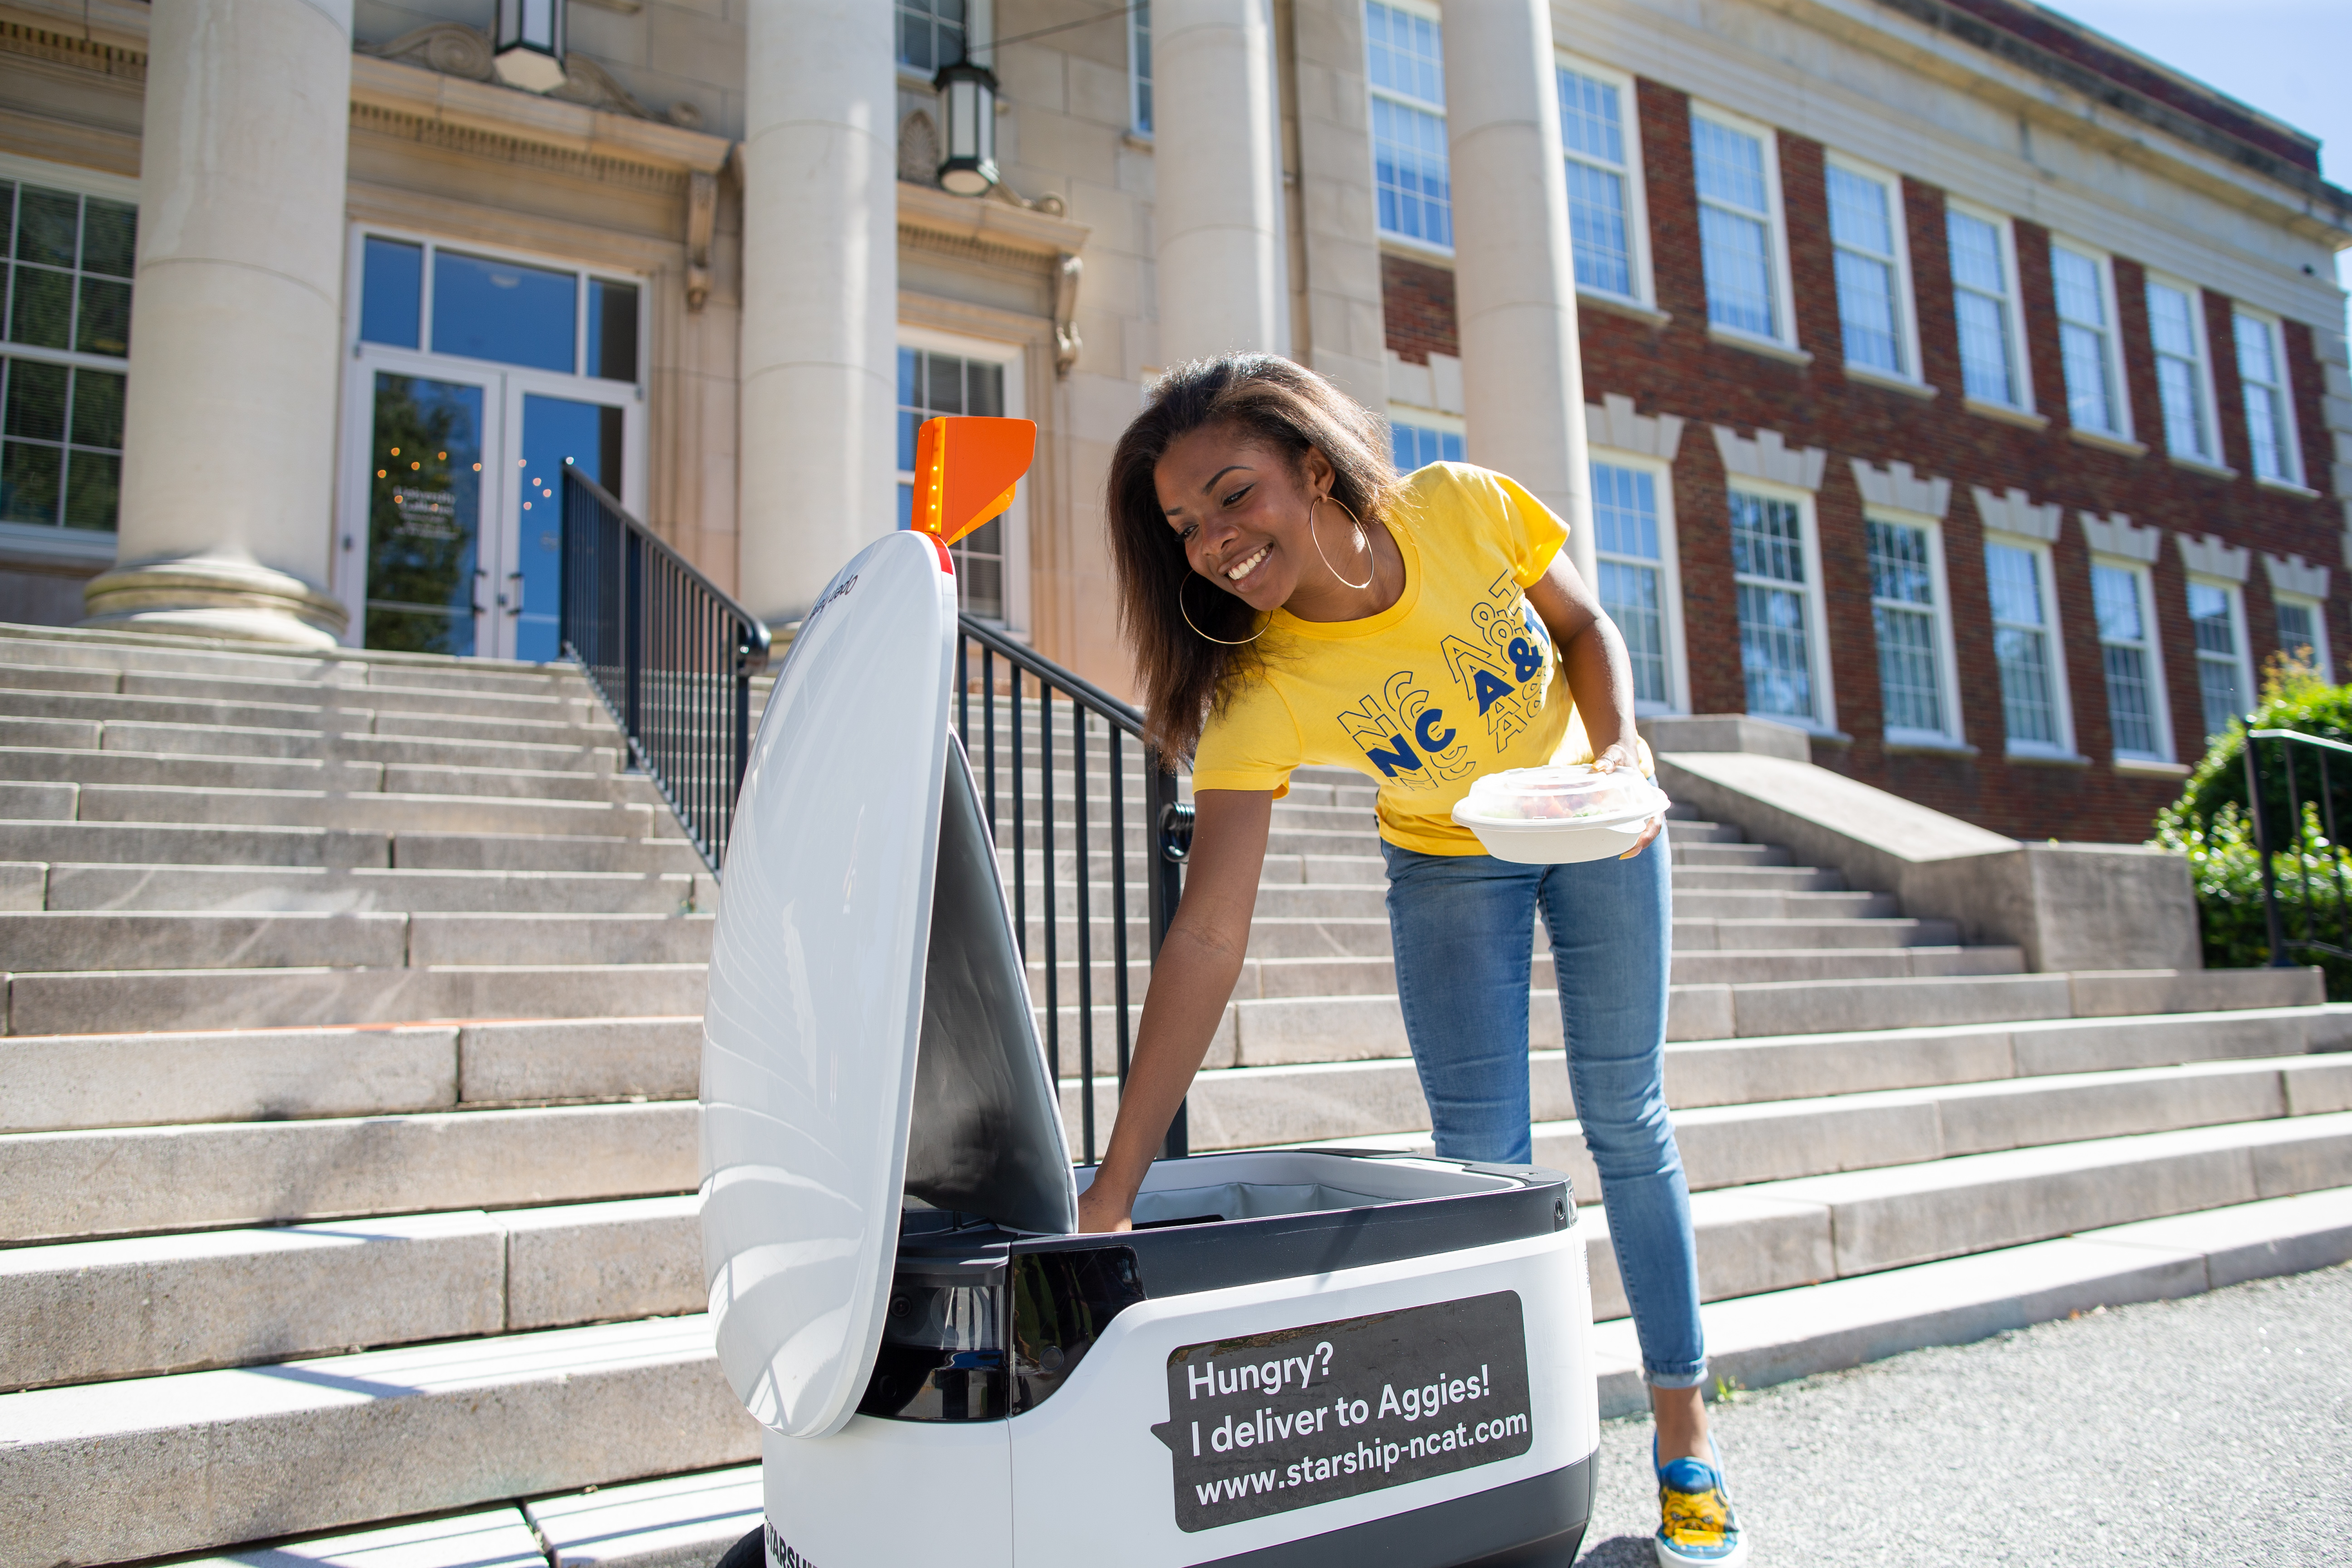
671 654
2291 834
1028 691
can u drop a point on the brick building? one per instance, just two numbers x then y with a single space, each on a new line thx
1932 373
1861 475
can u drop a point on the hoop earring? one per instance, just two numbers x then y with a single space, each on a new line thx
1229 642
1362 544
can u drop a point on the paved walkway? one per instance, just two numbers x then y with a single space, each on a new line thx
2212 1430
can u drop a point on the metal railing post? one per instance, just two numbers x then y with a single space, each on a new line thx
2276 930
1168 841
632 635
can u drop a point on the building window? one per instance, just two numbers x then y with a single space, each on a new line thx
1984 304
1632 537
1417 446
2223 683
67 327
2303 633
2181 379
1138 67
1906 613
1776 614
1738 228
1873 283
2032 681
1405 63
988 561
2086 342
2270 407
2119 597
930 33
1604 202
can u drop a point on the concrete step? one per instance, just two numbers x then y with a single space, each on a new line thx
1865 952
1758 1339
93 1311
238 1455
1756 879
600 754
342 776
322 888
577 724
50 1083
1709 854
1742 903
85 1184
43 646
99 1002
673 1521
113 940
364 812
215 844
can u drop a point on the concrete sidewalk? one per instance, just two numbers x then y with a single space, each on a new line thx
2212 1429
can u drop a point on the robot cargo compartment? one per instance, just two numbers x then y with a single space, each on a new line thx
983 1324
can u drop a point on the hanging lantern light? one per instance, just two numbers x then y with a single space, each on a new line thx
529 45
967 127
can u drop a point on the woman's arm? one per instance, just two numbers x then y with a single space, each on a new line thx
1200 959
1599 673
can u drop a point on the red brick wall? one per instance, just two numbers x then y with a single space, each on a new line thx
1417 307
1677 368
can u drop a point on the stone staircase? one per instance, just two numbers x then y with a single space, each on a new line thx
346 1108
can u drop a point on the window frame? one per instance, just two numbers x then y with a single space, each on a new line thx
2062 701
2282 391
2234 596
1139 80
1015 358
2119 402
1637 199
1431 14
2208 402
1784 301
1817 638
1670 575
2021 363
1906 297
2152 643
1953 735
57 540
978 33
2322 657
1434 419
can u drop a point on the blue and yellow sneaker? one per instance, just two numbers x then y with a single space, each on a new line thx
1696 1526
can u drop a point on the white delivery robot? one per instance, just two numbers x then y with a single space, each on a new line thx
1298 1358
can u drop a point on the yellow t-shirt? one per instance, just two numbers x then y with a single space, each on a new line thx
1456 679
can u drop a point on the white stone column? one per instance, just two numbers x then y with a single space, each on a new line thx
227 505
1514 275
1216 195
819 393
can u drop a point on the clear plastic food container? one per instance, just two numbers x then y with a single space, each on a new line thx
1560 814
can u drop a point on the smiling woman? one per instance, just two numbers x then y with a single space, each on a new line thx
1425 631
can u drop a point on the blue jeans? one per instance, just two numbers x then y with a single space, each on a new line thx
1462 926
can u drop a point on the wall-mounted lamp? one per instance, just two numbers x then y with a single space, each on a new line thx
528 47
967 127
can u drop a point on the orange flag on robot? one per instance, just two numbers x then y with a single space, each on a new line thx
965 471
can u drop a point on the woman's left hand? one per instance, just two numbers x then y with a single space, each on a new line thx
1621 754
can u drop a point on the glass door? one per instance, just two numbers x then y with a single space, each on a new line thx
553 432
474 380
426 527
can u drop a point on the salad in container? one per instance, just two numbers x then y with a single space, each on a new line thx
1561 812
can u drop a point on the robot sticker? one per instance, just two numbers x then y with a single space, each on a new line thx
1273 1422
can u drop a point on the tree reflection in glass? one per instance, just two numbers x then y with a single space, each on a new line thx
424 515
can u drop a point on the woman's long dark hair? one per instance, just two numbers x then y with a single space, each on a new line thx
1286 409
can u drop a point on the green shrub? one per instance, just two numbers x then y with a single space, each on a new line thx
2210 823
2226 873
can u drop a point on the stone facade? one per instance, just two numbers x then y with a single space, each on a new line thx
740 430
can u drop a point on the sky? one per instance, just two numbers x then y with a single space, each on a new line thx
2290 59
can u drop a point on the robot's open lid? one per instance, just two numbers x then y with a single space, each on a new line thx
866 1000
